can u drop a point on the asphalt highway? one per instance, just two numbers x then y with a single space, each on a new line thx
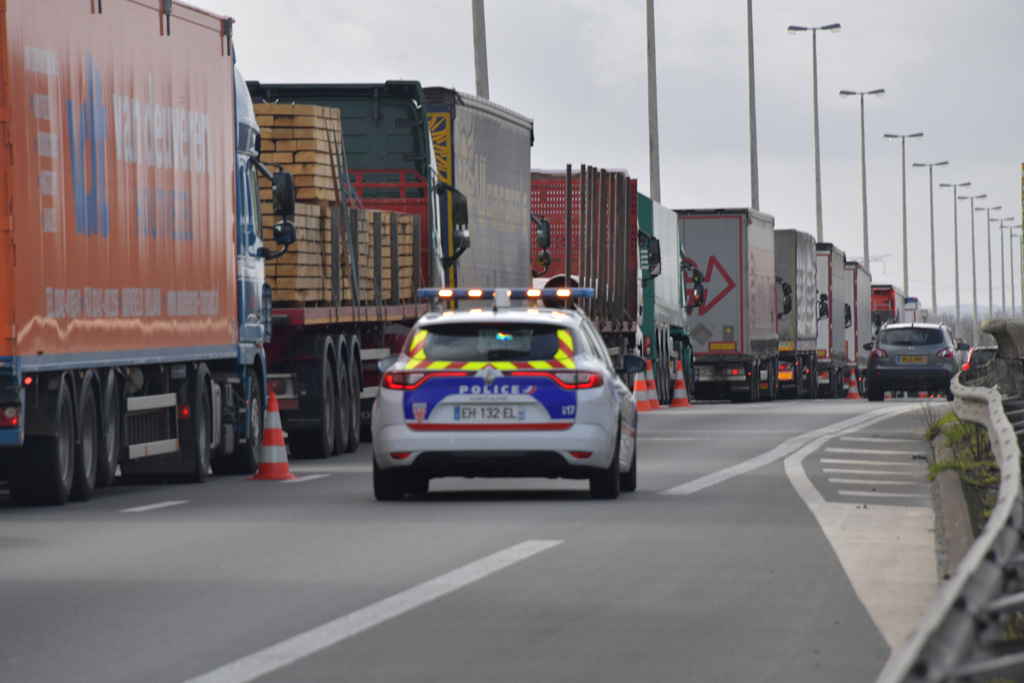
786 541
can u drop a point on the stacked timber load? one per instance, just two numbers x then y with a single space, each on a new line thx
304 140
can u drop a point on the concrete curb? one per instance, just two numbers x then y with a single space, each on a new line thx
953 528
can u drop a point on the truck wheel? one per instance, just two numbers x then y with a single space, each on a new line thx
355 414
343 406
387 485
249 454
198 449
43 470
110 434
319 444
87 450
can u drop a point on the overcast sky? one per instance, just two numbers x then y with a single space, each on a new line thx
951 70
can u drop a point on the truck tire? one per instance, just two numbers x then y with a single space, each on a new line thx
248 454
87 448
43 469
319 443
110 434
342 407
197 449
355 413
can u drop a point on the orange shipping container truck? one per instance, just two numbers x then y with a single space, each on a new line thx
133 308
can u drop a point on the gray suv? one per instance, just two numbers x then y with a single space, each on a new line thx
911 357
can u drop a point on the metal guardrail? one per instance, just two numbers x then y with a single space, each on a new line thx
964 634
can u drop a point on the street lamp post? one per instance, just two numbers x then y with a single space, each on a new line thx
817 152
988 228
974 267
1002 260
956 253
863 166
1013 288
903 147
931 210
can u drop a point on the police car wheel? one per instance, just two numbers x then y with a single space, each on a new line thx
387 485
605 484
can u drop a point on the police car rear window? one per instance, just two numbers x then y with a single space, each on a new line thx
516 342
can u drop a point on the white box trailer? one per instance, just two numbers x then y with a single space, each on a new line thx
733 333
796 290
831 263
858 332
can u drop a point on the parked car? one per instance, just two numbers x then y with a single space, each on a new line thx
978 356
508 392
912 357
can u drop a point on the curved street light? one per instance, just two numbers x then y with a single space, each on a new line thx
988 228
817 152
903 147
974 266
863 165
956 253
1002 260
931 213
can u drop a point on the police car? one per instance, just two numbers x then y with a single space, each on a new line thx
503 391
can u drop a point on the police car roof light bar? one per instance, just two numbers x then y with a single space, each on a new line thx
518 293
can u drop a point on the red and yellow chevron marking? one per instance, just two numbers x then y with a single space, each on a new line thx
473 366
416 346
565 349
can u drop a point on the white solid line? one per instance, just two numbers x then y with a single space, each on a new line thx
816 439
304 477
876 494
878 439
155 506
866 451
872 482
674 438
887 473
879 463
333 632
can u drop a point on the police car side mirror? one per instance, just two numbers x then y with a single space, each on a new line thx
868 346
632 364
962 346
384 363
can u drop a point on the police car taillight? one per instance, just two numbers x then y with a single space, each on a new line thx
407 381
566 379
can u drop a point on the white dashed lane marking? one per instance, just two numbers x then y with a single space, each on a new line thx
155 506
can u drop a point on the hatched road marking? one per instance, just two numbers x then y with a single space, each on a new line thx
333 632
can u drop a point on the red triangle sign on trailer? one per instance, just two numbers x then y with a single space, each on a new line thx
714 265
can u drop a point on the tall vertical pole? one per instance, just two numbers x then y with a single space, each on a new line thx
903 147
817 150
864 186
956 262
1002 269
974 278
480 50
1013 286
931 213
652 105
988 229
754 198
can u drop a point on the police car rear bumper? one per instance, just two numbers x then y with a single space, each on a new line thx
470 453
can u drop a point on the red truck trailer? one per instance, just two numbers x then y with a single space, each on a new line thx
132 303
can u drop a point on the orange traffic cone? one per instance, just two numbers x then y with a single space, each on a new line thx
274 456
679 397
851 382
640 392
652 388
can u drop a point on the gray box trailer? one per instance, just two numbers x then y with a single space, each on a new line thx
733 333
831 371
858 298
796 291
483 150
